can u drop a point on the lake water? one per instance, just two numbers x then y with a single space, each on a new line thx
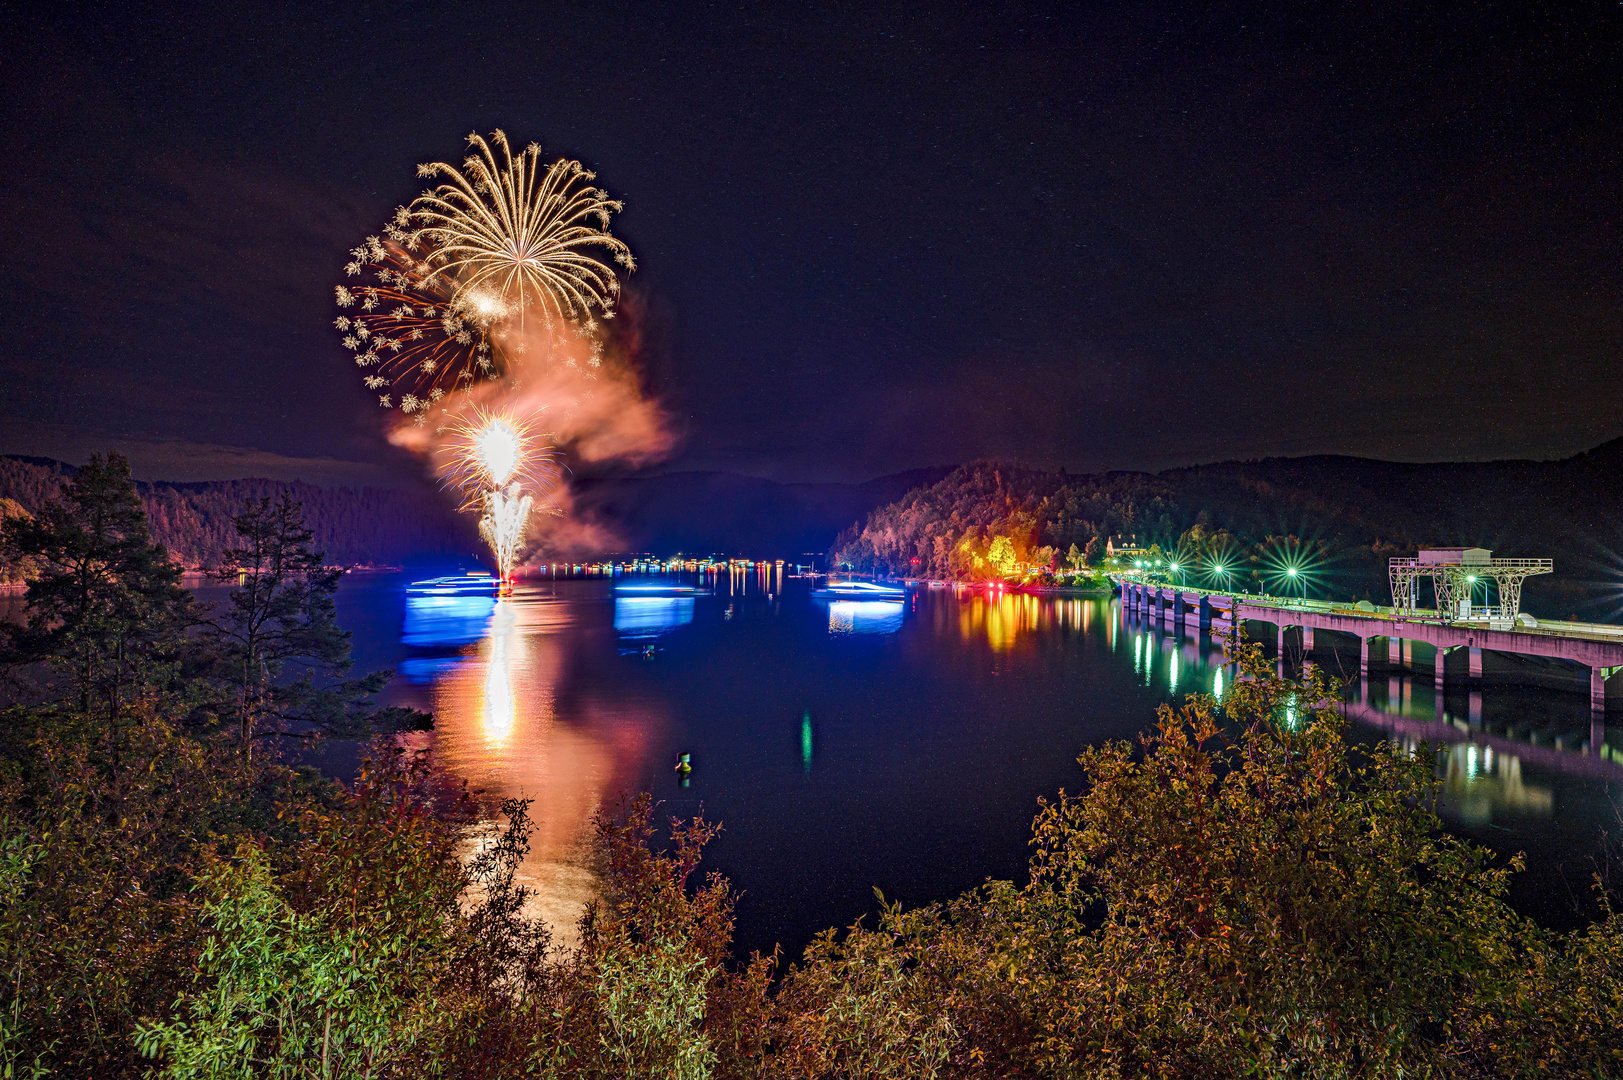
849 746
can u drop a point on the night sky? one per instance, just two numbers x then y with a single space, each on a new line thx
871 237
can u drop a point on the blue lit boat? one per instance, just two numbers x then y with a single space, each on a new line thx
859 590
477 584
661 590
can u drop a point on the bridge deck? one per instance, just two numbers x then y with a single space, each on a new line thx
1596 646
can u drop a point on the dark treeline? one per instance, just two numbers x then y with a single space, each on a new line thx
1338 518
368 526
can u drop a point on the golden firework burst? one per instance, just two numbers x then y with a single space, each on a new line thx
514 228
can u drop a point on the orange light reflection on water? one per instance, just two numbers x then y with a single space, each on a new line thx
1003 618
499 726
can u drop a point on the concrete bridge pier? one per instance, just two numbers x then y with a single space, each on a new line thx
1363 657
1307 639
1597 687
1476 662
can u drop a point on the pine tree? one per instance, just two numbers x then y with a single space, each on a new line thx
278 646
1090 554
106 607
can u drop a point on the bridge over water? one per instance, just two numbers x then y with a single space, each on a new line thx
1390 638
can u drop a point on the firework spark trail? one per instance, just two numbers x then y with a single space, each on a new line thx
505 527
478 271
483 448
491 457
484 305
411 332
521 230
606 418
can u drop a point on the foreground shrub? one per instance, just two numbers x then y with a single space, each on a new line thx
330 971
1241 893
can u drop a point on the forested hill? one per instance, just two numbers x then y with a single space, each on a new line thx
719 512
710 512
194 521
1343 517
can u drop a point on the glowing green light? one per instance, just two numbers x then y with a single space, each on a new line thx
1291 571
1173 567
806 741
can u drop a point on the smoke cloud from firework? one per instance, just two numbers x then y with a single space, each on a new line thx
595 415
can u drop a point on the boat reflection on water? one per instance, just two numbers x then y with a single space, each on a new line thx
445 618
500 726
865 616
650 616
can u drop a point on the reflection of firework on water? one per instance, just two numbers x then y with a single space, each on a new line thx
519 230
475 271
492 457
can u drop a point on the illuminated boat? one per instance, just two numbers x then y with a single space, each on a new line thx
475 584
859 590
661 590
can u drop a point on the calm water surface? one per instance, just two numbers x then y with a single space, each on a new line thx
850 746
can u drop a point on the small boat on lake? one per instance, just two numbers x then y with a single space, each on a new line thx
859 590
661 590
475 584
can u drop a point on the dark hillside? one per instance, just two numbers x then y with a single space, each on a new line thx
691 512
724 512
194 521
1343 517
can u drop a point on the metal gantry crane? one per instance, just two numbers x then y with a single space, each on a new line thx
1455 573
